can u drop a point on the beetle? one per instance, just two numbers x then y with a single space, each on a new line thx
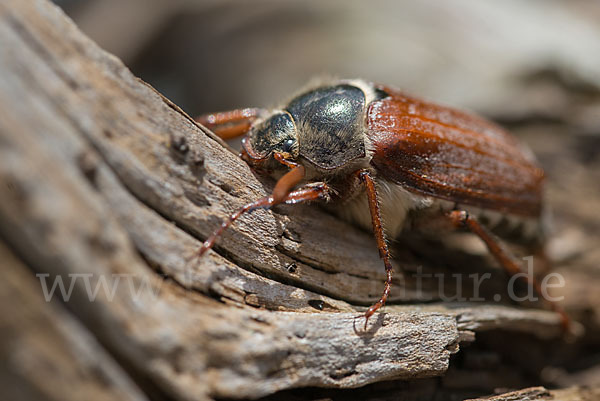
369 151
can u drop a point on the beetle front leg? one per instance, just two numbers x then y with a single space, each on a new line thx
310 192
384 252
461 219
230 124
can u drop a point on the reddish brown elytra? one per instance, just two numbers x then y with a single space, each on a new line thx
370 151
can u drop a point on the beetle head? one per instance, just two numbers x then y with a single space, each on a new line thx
275 134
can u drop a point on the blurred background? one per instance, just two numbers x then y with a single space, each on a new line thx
507 59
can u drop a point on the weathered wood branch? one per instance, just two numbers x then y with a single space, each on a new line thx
540 393
108 185
40 336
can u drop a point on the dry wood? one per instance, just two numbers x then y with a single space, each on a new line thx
106 181
540 393
45 351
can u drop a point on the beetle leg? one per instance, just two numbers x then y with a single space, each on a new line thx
462 219
282 193
384 253
307 193
230 124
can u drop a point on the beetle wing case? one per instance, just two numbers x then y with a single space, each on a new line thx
448 154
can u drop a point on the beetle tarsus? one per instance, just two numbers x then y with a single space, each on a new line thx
310 192
461 219
379 232
368 314
266 202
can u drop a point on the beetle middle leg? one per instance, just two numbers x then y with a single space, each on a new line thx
384 252
461 219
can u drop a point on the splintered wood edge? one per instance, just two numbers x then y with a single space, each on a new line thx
533 393
541 393
82 138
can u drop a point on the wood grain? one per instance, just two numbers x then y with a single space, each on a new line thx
540 393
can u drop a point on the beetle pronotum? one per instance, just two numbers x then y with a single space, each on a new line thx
374 151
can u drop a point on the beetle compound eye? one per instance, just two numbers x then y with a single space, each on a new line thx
288 145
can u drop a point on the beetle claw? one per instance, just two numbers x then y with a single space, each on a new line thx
368 314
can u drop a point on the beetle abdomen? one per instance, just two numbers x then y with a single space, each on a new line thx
400 209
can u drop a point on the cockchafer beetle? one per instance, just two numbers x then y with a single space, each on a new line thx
372 151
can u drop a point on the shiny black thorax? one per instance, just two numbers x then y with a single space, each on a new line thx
323 127
330 123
